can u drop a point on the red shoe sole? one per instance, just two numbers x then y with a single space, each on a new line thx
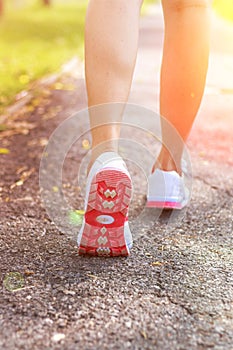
106 214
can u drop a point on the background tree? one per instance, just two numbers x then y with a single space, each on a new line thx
1 7
46 2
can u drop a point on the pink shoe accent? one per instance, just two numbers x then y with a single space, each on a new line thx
163 205
103 232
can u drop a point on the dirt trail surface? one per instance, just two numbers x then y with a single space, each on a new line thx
175 291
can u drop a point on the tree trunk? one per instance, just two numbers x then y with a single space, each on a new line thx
1 7
46 2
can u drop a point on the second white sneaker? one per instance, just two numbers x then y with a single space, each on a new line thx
166 189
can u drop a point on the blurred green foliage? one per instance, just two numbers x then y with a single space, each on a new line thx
224 8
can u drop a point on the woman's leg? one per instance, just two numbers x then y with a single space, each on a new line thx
111 41
183 73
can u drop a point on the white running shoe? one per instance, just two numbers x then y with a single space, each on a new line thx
166 189
105 229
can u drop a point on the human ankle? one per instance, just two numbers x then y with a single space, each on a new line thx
167 163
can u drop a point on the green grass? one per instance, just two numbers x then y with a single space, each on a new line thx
224 8
35 41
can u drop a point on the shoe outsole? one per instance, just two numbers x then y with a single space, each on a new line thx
106 214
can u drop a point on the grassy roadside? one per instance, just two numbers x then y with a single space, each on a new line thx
35 41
